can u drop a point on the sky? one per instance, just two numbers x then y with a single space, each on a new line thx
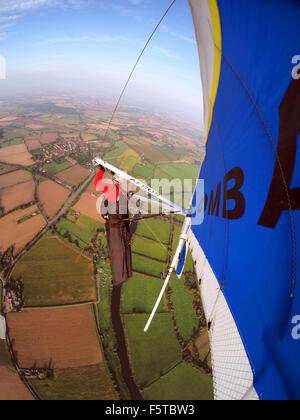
91 46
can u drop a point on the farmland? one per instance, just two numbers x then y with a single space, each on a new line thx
55 138
147 266
155 229
154 353
74 175
51 197
83 228
140 293
53 167
182 383
88 383
149 248
17 195
53 275
16 188
13 233
14 178
174 327
11 387
60 338
5 168
17 155
33 142
185 315
87 206
48 138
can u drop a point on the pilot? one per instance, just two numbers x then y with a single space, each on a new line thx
117 224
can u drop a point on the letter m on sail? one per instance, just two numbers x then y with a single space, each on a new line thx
214 202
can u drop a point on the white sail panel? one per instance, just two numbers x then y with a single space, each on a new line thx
232 373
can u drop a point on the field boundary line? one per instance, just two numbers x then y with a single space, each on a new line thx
150 239
164 374
60 306
150 258
70 247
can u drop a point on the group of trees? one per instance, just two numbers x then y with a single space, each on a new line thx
16 287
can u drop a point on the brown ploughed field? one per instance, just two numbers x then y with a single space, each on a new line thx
17 154
74 175
51 196
60 338
11 387
19 234
87 206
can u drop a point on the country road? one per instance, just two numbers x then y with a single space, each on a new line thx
71 199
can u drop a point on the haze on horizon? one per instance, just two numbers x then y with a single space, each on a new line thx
90 46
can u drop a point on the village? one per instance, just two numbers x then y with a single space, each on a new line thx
64 147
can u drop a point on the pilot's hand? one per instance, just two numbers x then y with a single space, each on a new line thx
101 168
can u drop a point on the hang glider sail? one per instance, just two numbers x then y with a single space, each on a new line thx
246 249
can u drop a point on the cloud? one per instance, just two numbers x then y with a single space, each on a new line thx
3 33
24 5
177 35
10 18
124 11
165 52
6 25
71 39
136 2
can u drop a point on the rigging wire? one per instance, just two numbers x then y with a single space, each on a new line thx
135 66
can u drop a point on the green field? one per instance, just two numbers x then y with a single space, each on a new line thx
120 147
83 228
154 353
12 133
53 275
140 294
185 315
182 383
156 229
11 143
149 248
147 266
180 170
53 167
122 156
84 383
144 172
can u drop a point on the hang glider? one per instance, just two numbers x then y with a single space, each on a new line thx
163 203
125 176
246 250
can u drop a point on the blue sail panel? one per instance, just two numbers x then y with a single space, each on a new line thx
252 188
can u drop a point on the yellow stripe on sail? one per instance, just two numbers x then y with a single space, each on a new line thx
217 34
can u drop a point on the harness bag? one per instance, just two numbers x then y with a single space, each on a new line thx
118 239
